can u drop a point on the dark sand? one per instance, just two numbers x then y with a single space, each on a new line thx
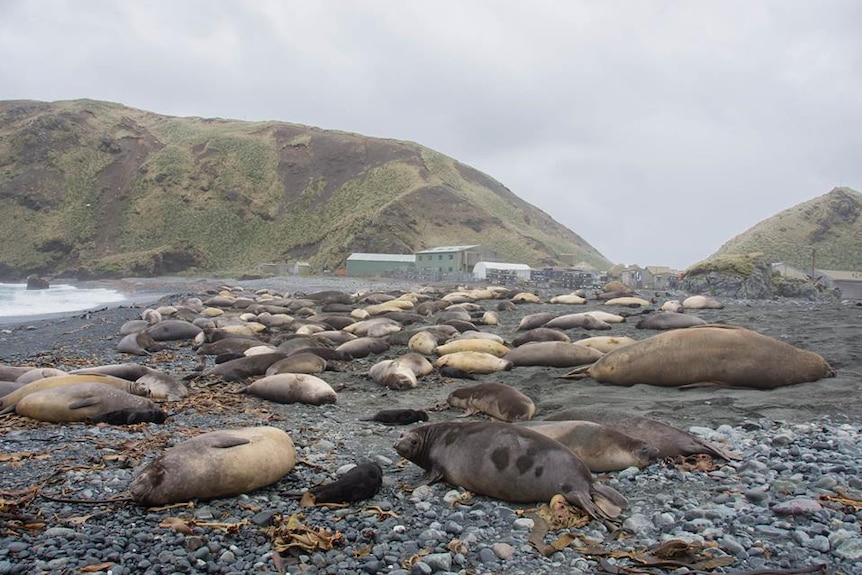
832 329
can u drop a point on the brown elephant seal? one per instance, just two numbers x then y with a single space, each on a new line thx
701 302
628 301
246 366
394 375
300 362
606 343
540 334
139 343
8 401
363 347
423 342
668 320
498 400
673 305
600 447
151 383
582 320
7 387
39 373
552 354
360 483
173 330
220 463
399 416
506 462
670 441
717 354
472 344
91 402
13 372
534 320
569 299
293 388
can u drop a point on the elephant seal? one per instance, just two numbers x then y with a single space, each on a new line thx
151 383
293 388
500 401
220 463
668 320
363 347
473 344
7 387
701 302
91 402
506 462
399 416
299 362
139 343
8 401
455 372
39 373
474 362
423 342
246 366
717 354
606 343
569 299
670 441
394 375
534 320
540 334
600 447
552 354
583 320
360 483
628 301
173 330
673 305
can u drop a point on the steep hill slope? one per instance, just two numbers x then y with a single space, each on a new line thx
827 228
97 188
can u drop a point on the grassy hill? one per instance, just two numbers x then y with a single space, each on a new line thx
829 228
95 188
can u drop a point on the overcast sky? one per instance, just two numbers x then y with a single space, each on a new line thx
656 130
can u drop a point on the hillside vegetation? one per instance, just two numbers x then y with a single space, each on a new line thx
97 189
825 232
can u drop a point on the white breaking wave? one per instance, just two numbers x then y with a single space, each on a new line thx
17 300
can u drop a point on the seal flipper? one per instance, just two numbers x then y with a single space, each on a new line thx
225 441
84 402
433 475
609 500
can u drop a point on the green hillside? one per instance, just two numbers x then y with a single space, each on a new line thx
99 189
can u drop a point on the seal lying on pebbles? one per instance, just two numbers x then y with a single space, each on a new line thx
552 354
398 416
719 354
668 440
507 462
91 402
600 447
500 401
360 483
293 388
221 463
8 401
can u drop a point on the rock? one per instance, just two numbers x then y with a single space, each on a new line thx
35 282
798 506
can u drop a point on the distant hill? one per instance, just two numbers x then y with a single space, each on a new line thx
829 228
98 189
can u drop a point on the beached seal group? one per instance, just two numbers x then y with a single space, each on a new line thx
281 347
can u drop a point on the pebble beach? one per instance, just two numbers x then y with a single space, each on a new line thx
792 503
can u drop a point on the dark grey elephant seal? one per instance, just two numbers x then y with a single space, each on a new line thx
670 441
221 463
500 401
363 346
139 343
173 330
540 334
507 462
600 447
91 402
246 366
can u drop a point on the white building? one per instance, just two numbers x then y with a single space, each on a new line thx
482 270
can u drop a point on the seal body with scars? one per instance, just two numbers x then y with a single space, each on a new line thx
600 447
500 401
506 462
360 483
92 402
719 354
221 463
293 388
670 441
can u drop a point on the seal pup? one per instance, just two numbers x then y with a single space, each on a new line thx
398 416
91 402
716 354
599 446
498 400
506 462
670 441
358 484
220 463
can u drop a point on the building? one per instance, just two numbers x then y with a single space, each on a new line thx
633 276
658 278
370 265
448 259
498 272
848 282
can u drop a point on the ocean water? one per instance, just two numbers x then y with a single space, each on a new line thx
17 301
